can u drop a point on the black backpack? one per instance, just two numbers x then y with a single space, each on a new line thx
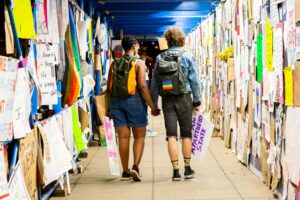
170 76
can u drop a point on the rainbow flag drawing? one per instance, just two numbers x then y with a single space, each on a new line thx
167 85
73 77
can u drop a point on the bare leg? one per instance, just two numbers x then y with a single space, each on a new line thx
124 138
139 134
186 147
173 148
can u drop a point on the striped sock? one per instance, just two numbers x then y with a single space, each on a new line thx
175 164
187 162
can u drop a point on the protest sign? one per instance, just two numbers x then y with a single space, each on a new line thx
202 130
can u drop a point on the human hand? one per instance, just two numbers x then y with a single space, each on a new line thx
196 109
155 112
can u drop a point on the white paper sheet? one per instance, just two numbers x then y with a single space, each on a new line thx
3 176
42 30
8 79
112 150
292 143
21 106
46 74
68 130
257 114
88 84
16 185
53 22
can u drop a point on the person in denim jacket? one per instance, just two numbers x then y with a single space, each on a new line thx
179 107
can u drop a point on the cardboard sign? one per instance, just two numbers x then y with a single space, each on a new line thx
202 130
163 45
28 158
112 150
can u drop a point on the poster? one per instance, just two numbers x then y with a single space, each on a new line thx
278 62
259 58
28 160
288 82
3 176
257 116
68 130
112 150
46 74
269 46
78 137
22 104
8 77
202 130
41 21
88 84
16 186
22 11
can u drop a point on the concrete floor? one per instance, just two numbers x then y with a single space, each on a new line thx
220 176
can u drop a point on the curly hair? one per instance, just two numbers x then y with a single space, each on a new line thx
175 37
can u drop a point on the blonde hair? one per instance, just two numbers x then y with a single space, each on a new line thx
175 37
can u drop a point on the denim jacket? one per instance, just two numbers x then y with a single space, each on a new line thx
189 69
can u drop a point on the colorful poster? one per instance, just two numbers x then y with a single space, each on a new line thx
269 46
22 11
259 58
112 150
80 146
288 83
41 21
202 130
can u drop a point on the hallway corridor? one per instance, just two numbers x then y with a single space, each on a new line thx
220 176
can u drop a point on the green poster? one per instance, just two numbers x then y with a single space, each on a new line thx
77 131
259 57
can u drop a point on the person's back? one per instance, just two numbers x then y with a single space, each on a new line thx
128 97
175 79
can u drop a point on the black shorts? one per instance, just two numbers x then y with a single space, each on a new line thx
178 108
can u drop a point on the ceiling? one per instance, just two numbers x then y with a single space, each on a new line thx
147 18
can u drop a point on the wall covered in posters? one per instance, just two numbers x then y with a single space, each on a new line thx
249 73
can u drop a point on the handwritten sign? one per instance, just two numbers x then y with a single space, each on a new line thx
3 176
80 146
21 106
288 82
41 22
290 33
269 48
28 158
22 12
278 62
112 151
8 77
202 130
46 74
16 185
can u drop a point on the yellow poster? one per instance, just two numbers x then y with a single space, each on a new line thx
90 40
22 12
288 82
269 46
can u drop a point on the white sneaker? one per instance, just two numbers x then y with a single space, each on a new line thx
151 133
